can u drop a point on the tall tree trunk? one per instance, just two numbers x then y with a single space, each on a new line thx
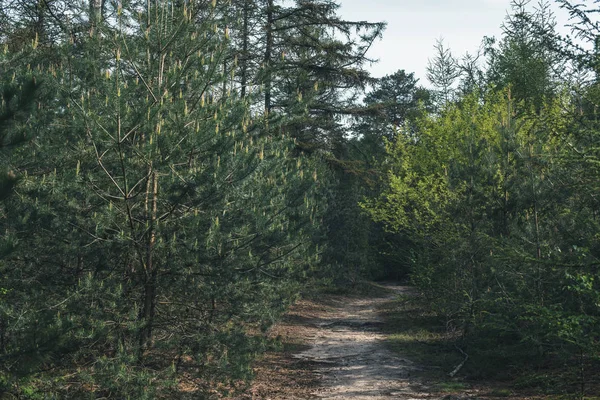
507 132
150 270
40 20
2 336
268 55
245 39
224 90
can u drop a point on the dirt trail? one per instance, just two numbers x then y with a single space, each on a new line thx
335 350
351 357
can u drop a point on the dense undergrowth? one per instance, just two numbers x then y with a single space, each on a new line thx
495 368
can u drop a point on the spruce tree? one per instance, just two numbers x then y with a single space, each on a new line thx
443 71
524 58
313 61
310 75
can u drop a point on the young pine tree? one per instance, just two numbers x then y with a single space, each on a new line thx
169 221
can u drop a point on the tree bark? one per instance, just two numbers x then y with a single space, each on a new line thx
268 55
244 58
96 11
150 270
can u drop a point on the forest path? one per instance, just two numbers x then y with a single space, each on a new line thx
351 355
336 350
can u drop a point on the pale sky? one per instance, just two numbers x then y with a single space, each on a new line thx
414 25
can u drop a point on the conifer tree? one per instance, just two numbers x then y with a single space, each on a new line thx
311 72
313 62
443 71
525 58
179 220
398 99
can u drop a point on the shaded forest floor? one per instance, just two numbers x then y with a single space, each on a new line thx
367 347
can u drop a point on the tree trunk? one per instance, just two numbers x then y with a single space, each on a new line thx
268 55
244 58
150 270
2 336
96 11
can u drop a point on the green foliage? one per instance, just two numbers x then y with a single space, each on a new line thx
162 224
443 70
181 176
496 196
525 57
498 228
396 99
16 101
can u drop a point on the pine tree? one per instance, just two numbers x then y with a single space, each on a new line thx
179 220
398 99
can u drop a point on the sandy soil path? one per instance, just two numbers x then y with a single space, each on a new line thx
349 352
337 352
334 349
